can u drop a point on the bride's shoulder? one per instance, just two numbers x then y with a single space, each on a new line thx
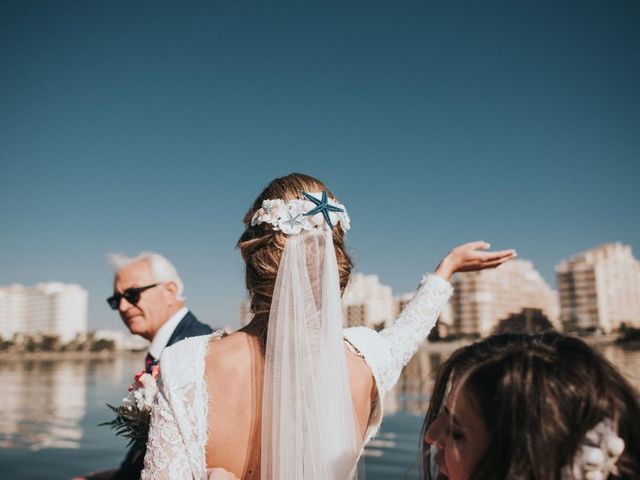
186 345
234 354
183 360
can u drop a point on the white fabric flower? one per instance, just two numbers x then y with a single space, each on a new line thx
268 213
598 454
292 221
290 217
343 218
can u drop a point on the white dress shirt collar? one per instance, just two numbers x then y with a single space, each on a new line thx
164 334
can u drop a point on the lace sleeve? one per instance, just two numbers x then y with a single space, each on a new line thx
166 457
178 432
415 322
388 351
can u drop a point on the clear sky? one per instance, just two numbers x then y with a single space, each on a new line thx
135 125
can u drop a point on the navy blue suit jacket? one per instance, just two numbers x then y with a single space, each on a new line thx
189 326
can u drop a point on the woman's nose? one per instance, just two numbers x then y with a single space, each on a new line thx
434 435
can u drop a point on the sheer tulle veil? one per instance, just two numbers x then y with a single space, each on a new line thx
309 429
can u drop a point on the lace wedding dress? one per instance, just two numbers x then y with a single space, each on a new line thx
178 433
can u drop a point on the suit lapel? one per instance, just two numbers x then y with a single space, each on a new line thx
180 332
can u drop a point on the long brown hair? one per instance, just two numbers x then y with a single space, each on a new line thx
261 247
538 396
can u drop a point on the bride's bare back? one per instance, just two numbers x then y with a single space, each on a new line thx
234 369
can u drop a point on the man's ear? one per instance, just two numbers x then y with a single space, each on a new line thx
172 287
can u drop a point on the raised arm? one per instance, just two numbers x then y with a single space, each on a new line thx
388 351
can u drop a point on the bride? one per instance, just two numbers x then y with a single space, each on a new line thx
291 395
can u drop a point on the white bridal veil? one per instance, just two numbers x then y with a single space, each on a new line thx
309 430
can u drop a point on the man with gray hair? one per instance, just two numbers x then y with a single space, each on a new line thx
147 292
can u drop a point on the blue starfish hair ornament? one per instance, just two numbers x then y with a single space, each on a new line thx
322 206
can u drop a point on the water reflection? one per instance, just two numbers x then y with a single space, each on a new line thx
626 360
43 403
411 393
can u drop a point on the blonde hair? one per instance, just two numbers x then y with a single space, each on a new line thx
261 247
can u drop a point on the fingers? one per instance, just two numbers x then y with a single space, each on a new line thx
499 258
492 256
479 245
493 264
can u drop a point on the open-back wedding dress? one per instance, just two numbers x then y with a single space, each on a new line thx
178 434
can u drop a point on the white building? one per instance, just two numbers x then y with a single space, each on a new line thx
600 289
482 299
367 302
51 308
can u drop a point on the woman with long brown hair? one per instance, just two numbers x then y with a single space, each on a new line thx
531 407
291 395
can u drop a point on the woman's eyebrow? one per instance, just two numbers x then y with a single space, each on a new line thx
453 418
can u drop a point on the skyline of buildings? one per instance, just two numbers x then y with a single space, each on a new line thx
481 300
599 289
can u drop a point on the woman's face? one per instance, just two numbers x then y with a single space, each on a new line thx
459 435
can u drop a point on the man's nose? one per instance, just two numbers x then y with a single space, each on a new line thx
435 432
123 305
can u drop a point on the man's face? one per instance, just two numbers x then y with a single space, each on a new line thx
155 305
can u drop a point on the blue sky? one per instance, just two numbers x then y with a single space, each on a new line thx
127 126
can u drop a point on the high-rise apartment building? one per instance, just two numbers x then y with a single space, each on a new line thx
482 299
600 289
52 308
367 302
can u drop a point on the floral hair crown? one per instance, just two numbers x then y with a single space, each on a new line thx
597 455
311 211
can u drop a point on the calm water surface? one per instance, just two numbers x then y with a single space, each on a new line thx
50 409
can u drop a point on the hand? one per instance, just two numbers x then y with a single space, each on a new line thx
220 474
471 257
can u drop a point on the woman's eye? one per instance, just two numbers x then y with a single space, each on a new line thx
455 434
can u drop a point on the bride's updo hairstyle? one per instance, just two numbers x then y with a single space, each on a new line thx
539 396
261 247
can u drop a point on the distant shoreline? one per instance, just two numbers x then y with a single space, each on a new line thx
102 355
435 347
592 340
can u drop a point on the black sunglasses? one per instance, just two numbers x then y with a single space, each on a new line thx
131 295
